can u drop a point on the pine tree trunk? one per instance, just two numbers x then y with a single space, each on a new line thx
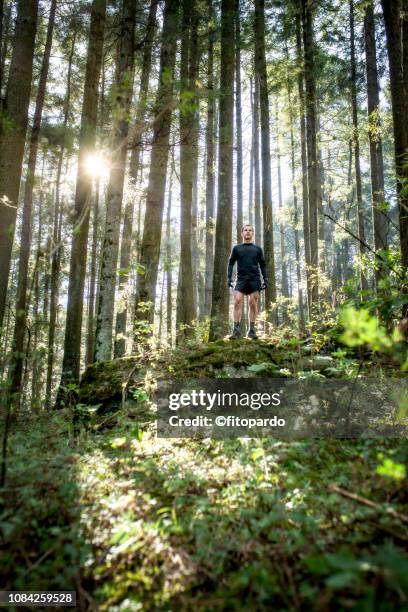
356 142
13 127
73 328
185 291
139 126
114 197
238 121
399 89
257 170
296 211
305 191
169 303
126 243
312 159
209 179
251 160
17 360
223 234
195 129
260 73
56 255
150 247
4 42
284 270
380 220
90 332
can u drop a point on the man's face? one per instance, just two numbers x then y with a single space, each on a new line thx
248 233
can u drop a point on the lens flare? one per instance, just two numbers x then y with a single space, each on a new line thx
96 165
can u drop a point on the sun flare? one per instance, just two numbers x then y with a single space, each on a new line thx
97 165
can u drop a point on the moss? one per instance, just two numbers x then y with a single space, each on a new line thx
104 381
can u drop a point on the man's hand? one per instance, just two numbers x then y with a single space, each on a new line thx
264 285
230 283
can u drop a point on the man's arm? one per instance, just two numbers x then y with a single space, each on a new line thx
231 261
262 265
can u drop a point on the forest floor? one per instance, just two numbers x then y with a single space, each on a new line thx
136 522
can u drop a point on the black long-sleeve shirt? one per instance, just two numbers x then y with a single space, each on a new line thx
249 258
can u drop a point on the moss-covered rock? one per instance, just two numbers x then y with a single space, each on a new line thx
107 382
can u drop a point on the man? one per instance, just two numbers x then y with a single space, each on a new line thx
250 259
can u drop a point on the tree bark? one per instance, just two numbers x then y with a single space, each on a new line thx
393 23
17 360
90 332
57 250
110 246
186 304
257 172
73 327
13 127
284 268
312 159
305 191
380 220
126 243
223 235
168 267
261 75
209 179
238 121
356 143
150 248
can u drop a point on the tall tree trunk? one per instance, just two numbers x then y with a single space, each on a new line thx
139 126
4 42
73 327
284 269
238 121
257 172
356 142
251 160
169 299
16 366
260 72
305 191
1 45
195 129
320 196
186 306
126 243
56 255
13 127
296 209
150 248
380 220
223 234
312 159
110 246
209 178
90 332
393 23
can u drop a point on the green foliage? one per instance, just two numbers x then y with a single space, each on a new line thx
361 328
390 468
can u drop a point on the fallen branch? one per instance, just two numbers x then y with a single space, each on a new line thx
367 502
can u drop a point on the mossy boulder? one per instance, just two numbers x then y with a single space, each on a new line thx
109 382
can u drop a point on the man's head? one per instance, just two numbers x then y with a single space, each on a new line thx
248 232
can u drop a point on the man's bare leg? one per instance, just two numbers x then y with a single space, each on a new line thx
253 311
238 303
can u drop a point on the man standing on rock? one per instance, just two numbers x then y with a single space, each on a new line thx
250 260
